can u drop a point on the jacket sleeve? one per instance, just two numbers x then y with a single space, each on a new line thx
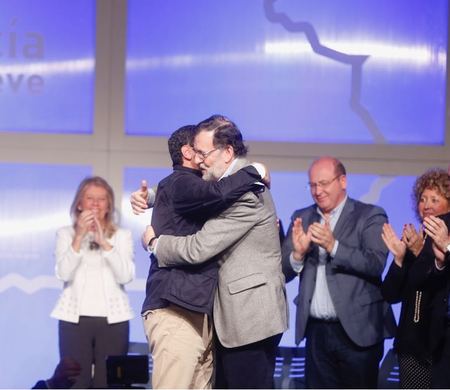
396 281
424 271
192 194
367 255
67 260
120 257
216 235
393 284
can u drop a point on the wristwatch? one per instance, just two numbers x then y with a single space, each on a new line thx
151 244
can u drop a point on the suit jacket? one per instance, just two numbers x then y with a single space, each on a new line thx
353 275
250 300
410 285
177 196
440 280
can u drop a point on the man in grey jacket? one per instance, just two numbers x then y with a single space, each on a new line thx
335 247
250 311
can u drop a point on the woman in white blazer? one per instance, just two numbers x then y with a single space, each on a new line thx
94 259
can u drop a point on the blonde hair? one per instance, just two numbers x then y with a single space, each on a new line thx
110 226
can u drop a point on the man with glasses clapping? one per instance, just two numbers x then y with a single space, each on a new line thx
335 247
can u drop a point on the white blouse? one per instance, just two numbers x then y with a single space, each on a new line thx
94 279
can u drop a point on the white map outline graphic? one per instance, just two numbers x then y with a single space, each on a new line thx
354 61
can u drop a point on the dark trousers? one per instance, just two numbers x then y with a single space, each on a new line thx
90 342
440 376
248 367
333 360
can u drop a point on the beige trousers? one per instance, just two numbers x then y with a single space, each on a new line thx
180 342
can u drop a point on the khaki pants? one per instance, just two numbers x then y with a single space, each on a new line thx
180 342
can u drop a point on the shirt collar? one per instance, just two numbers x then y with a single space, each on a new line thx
229 169
336 210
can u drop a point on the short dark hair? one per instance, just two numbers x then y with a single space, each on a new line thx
226 133
183 136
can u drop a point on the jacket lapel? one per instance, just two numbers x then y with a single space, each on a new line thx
344 218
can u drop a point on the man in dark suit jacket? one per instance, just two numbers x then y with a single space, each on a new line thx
335 247
179 300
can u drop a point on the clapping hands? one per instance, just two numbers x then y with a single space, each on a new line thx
396 246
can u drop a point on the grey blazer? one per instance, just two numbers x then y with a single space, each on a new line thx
250 301
353 275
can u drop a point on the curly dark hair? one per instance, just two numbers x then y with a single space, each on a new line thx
436 179
225 133
183 136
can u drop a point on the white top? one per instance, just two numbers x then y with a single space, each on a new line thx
94 279
92 288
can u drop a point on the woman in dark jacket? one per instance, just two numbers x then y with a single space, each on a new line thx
408 280
438 275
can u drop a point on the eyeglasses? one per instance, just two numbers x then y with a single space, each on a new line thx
204 155
322 184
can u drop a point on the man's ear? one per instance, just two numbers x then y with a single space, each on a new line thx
187 152
229 153
343 180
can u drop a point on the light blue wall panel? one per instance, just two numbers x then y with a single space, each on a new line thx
302 71
47 59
